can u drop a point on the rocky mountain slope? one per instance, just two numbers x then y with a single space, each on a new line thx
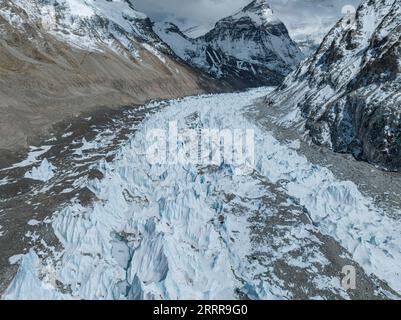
347 96
250 48
61 58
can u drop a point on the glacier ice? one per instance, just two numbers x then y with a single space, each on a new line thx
156 231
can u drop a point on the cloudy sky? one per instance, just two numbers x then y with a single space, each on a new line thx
188 13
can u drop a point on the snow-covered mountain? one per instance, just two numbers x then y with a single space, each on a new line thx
86 24
249 48
347 96
61 58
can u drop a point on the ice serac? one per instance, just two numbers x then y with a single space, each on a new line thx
249 48
61 58
348 95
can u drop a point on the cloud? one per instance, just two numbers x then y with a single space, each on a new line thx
187 13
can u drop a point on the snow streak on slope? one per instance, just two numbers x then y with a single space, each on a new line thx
186 231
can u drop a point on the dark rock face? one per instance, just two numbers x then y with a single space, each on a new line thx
348 93
250 48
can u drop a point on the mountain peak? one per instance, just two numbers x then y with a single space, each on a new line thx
249 48
347 92
258 11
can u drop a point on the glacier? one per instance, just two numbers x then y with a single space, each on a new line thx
173 231
42 173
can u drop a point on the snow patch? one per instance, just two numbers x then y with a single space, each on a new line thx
33 222
15 259
32 157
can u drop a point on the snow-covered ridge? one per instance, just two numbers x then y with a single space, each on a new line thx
348 92
307 21
168 231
